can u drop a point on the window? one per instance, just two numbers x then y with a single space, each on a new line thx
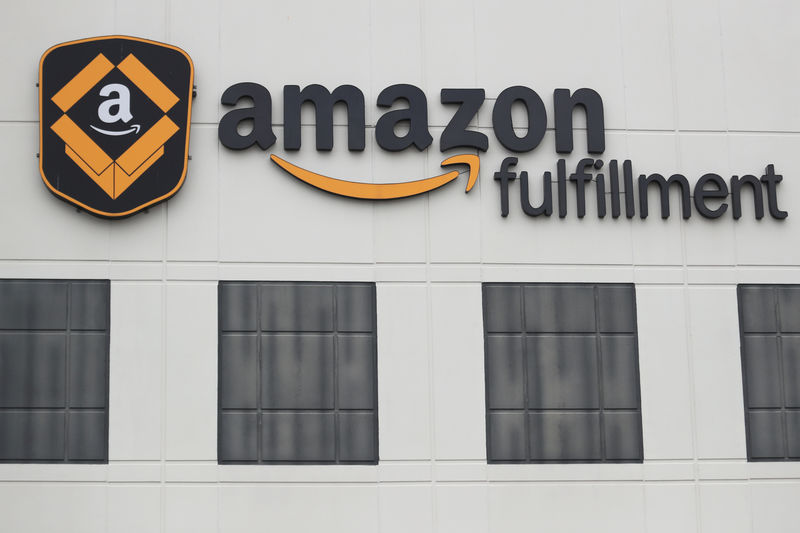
562 373
769 320
297 373
54 371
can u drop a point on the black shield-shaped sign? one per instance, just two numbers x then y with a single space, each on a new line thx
114 117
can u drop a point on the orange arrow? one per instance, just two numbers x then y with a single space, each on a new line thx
383 191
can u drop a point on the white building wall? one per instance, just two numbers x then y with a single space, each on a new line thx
688 86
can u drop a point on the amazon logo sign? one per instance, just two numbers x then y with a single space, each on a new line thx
413 114
115 115
114 118
407 106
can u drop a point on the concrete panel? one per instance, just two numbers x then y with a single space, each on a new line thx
576 62
194 26
401 226
268 215
193 214
134 509
748 60
404 408
647 64
343 59
191 403
664 367
455 234
26 31
699 69
395 48
448 61
670 508
461 508
708 241
145 19
70 508
774 506
404 508
39 225
725 508
458 371
136 371
191 509
655 241
299 508
763 242
714 335
551 507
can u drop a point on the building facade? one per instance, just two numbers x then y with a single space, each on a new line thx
256 354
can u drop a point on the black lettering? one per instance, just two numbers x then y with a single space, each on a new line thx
546 208
664 184
416 114
627 174
701 194
580 177
503 176
455 133
736 195
561 174
772 180
600 181
504 127
323 101
613 177
592 104
260 115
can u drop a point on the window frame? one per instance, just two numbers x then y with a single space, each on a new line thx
777 335
258 284
67 332
522 285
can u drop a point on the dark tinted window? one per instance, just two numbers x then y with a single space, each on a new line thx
297 373
54 371
562 373
769 318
